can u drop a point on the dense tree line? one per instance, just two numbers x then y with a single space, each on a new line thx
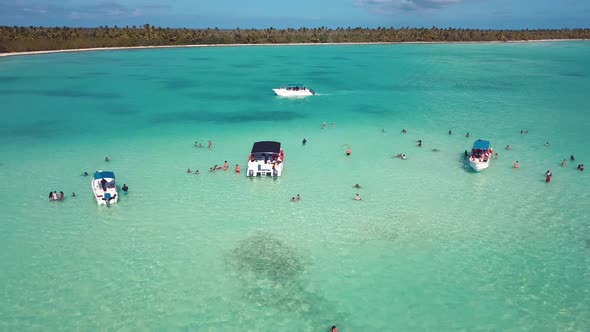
22 39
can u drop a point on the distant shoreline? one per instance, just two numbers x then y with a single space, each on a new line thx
275 44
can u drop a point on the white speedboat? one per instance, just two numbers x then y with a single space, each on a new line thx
481 153
294 90
266 159
104 187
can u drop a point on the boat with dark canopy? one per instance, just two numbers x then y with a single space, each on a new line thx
266 159
481 153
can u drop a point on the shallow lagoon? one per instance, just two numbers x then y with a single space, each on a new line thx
432 245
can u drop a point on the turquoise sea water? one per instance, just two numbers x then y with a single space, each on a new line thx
432 245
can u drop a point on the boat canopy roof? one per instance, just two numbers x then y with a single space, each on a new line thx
266 146
104 174
481 144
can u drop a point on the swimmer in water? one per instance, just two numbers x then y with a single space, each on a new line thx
496 155
237 168
357 197
292 199
125 188
404 131
507 147
73 194
188 170
85 173
298 197
467 135
304 141
572 158
210 145
450 132
356 186
435 150
348 151
563 162
547 144
225 166
334 329
106 159
516 165
211 170
197 172
419 143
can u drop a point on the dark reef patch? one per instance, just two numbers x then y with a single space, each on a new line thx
228 118
40 129
60 93
370 109
9 79
267 258
179 83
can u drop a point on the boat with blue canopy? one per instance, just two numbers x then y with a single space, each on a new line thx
481 153
294 90
104 187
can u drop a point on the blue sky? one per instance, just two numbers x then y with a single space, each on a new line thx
227 14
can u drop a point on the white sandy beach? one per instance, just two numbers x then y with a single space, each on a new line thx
279 44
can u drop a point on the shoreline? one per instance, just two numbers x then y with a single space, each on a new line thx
93 49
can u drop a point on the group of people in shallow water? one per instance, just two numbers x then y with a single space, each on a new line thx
225 167
199 145
296 198
54 196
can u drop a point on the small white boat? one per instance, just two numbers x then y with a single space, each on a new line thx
294 90
266 159
104 187
481 153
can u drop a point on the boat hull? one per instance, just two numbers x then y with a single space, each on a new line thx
479 166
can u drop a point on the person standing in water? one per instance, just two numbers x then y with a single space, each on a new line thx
548 175
125 188
357 197
348 151
304 141
563 162
209 145
237 168
516 165
225 166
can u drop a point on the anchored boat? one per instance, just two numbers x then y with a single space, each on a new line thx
294 90
104 187
266 159
481 153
